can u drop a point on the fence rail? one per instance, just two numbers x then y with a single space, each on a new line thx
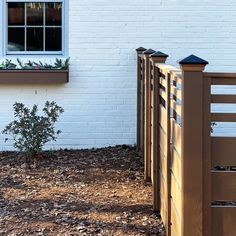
193 173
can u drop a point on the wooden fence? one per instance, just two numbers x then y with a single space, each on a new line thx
192 172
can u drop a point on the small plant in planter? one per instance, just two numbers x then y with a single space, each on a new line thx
7 65
59 64
31 131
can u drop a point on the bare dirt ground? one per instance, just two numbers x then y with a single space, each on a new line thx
84 192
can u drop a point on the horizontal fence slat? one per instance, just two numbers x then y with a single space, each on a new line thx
176 76
176 107
163 201
163 165
163 144
223 117
175 221
168 69
176 166
224 186
223 221
176 195
221 78
164 68
163 94
176 136
223 151
223 98
163 82
223 81
219 75
176 92
163 188
163 117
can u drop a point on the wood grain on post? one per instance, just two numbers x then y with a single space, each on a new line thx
139 132
147 118
157 57
192 145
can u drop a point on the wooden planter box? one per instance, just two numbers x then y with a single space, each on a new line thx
34 76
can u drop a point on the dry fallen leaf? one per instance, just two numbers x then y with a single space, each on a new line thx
84 192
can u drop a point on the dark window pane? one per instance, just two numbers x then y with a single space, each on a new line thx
16 13
53 13
35 13
53 39
34 39
16 39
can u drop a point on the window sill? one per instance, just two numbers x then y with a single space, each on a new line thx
18 76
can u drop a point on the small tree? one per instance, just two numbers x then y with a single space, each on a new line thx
31 131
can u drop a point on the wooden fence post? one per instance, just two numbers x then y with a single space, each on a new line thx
192 145
157 57
139 131
147 118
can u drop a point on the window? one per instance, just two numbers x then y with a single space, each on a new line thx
35 27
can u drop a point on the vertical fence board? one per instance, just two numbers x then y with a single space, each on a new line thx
155 135
207 185
139 133
147 117
168 155
139 99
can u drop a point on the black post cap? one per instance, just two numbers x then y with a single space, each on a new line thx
158 54
192 59
149 51
141 49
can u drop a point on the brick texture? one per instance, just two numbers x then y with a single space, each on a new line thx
100 99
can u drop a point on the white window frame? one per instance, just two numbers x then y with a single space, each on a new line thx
64 28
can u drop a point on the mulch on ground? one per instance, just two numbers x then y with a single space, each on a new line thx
82 192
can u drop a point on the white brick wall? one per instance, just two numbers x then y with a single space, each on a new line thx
100 99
